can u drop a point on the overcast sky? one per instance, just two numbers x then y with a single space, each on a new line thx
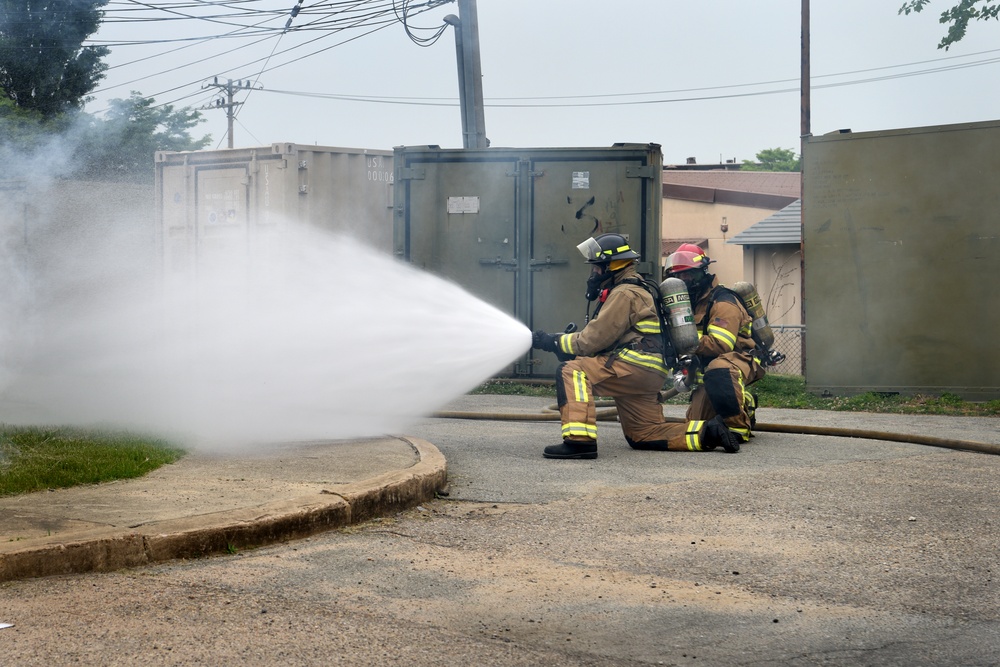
710 79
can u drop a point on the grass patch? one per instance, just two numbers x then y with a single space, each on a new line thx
34 458
502 387
789 391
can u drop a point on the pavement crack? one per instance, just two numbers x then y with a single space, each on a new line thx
414 538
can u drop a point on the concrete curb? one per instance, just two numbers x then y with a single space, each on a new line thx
104 550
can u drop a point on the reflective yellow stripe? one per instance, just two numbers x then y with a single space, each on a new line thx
691 437
653 361
648 326
579 429
620 249
724 336
566 343
580 392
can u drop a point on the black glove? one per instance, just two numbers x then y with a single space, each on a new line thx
562 356
544 341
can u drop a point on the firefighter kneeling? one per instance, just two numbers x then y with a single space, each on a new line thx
620 354
726 357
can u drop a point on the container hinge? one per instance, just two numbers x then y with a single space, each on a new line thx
539 264
499 263
525 164
412 173
640 172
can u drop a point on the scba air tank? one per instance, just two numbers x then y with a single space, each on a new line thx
676 304
761 327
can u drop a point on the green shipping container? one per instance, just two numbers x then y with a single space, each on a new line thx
504 223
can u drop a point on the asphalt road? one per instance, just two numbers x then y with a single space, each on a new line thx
799 550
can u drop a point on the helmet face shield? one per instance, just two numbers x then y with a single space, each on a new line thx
606 248
685 260
590 249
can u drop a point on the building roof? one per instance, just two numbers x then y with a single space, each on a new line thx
760 189
783 227
670 246
787 183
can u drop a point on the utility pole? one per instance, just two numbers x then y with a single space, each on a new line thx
228 104
470 74
805 130
805 106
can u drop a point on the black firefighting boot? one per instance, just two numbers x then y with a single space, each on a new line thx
570 449
717 434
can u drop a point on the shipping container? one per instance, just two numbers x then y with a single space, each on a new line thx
207 201
504 223
901 239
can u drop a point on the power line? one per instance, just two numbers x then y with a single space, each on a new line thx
452 102
249 22
359 22
328 16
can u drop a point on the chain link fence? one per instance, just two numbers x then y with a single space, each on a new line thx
788 340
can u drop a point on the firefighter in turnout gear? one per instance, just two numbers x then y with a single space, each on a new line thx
618 354
725 361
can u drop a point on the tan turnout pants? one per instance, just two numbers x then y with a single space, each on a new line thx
634 390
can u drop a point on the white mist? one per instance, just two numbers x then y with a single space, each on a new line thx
321 337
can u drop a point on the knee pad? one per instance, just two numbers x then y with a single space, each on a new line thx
719 387
655 445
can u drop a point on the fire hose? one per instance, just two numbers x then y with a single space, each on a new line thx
551 414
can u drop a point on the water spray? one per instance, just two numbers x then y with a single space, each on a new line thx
321 337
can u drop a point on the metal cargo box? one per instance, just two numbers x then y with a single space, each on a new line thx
208 199
901 232
504 223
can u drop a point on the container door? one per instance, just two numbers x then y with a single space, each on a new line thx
461 218
575 199
221 216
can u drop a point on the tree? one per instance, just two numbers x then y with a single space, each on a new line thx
27 140
19 128
773 159
958 16
121 146
44 66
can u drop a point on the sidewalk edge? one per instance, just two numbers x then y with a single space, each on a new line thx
222 532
